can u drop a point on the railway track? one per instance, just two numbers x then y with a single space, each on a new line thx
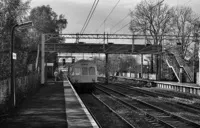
125 113
103 114
89 110
142 92
122 118
157 116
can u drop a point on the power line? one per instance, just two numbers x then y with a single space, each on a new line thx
120 21
122 28
91 10
108 15
89 16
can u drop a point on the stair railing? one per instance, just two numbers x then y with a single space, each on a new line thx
172 64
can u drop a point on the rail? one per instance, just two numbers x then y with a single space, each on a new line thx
168 114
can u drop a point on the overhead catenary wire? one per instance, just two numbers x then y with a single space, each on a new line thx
120 21
122 28
108 15
95 3
88 16
119 29
91 16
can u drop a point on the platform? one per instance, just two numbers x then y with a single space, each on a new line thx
180 87
190 88
46 109
55 105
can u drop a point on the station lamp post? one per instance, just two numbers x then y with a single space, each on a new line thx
13 56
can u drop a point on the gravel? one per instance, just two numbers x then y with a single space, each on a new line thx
103 115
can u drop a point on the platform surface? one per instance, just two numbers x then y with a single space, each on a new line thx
55 105
46 109
191 85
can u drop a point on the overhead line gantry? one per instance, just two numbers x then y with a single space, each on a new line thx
104 48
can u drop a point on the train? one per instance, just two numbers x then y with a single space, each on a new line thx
83 75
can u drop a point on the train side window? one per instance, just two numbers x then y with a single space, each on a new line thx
77 71
91 71
84 71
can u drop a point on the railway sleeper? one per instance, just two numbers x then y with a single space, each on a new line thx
157 122
178 124
154 113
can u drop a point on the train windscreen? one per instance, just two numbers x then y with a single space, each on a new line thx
84 71
91 71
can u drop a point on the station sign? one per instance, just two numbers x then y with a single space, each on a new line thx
14 56
49 64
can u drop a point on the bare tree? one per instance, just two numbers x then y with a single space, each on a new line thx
184 21
151 18
154 19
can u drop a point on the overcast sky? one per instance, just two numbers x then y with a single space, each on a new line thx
76 12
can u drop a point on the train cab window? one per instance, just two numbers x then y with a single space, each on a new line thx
84 71
77 71
91 71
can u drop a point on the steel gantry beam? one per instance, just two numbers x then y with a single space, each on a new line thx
91 36
111 36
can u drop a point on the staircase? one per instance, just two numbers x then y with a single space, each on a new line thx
172 63
187 69
175 62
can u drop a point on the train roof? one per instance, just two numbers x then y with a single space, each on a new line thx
84 61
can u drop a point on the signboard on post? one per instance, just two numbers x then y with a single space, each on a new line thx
14 56
49 64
